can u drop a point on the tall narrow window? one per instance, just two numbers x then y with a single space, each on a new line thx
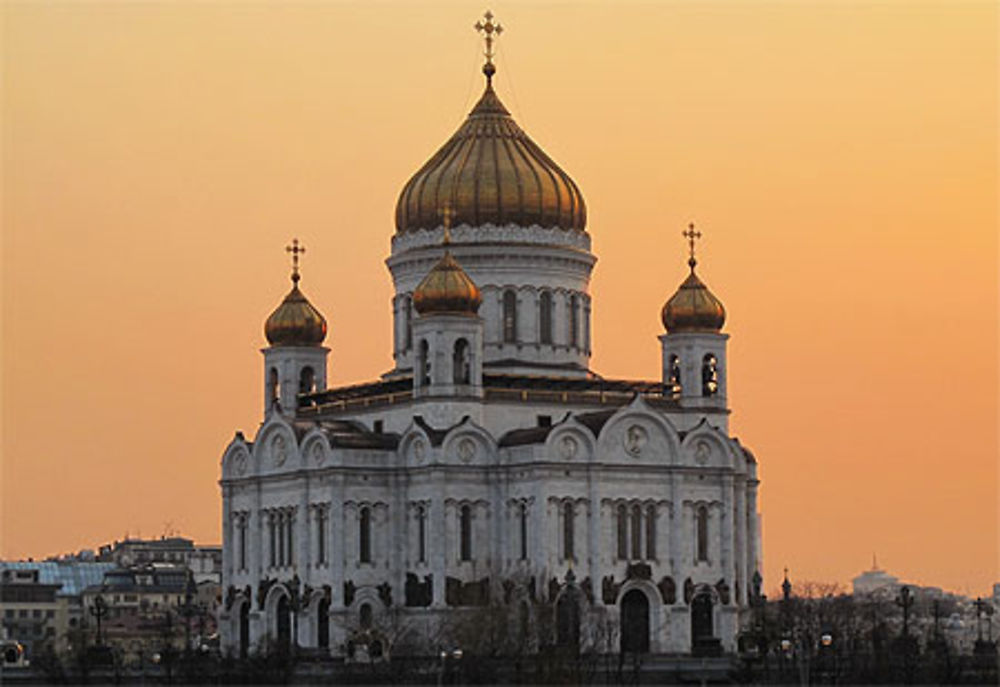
651 533
509 317
422 534
273 387
636 532
574 321
622 533
242 528
321 518
272 548
307 380
701 526
545 317
523 515
408 322
424 363
281 539
674 376
462 372
568 529
290 525
709 376
465 533
365 535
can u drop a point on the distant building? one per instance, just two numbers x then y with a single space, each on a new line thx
40 602
204 561
874 580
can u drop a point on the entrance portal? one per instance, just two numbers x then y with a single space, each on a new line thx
635 623
244 628
323 624
284 624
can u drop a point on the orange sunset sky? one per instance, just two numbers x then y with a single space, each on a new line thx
840 158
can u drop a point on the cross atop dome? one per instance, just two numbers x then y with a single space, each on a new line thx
295 250
489 29
691 235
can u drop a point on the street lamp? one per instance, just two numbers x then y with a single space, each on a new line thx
99 610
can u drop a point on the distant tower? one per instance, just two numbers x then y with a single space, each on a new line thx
295 361
448 332
694 348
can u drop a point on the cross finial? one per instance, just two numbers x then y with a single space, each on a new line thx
296 250
691 235
490 31
446 216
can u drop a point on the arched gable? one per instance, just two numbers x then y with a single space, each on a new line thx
639 433
276 448
706 446
316 450
571 441
469 444
415 448
237 459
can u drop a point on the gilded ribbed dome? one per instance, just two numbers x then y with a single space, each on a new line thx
447 289
490 172
693 308
295 322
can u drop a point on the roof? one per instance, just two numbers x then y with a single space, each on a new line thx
72 576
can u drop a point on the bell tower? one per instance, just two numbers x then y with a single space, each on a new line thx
694 347
295 360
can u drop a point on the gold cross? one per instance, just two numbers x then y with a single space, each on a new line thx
691 235
296 250
488 28
447 214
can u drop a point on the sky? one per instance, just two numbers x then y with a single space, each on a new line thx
840 159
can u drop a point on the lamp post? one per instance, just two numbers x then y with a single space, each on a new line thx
905 601
99 610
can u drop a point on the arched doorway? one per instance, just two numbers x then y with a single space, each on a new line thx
244 629
323 624
635 622
284 624
568 621
701 618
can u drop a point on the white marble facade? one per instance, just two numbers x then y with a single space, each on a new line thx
510 475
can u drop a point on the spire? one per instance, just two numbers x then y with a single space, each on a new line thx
295 250
693 308
490 31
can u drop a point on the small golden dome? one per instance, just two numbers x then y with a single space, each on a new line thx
693 308
447 289
295 322
490 172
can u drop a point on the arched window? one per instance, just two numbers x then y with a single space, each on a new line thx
365 613
574 321
636 532
281 539
272 548
465 533
701 533
408 322
674 376
423 367
523 512
709 375
545 317
242 529
509 316
462 363
290 537
273 387
365 535
307 380
421 534
651 533
321 519
622 533
569 526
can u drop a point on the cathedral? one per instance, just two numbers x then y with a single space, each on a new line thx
491 484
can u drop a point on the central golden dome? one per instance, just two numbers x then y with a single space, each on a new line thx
490 172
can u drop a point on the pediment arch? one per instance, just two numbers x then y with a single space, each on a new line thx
639 433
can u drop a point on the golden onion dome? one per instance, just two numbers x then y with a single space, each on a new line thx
447 289
693 308
490 172
295 322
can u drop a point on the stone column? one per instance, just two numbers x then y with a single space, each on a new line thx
742 574
436 539
726 530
